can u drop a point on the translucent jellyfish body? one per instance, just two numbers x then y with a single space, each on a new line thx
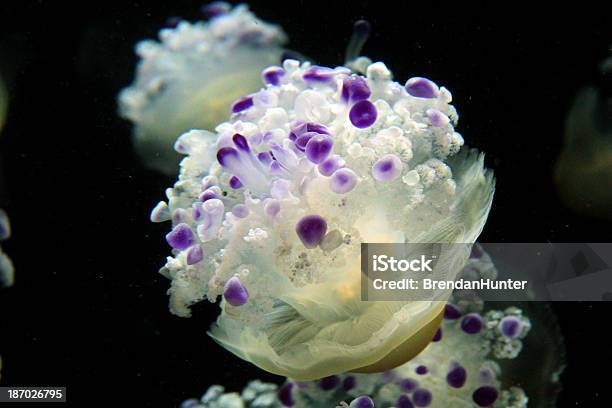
460 368
480 357
192 75
307 169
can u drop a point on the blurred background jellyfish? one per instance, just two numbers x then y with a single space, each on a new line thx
189 78
307 169
480 356
583 172
6 265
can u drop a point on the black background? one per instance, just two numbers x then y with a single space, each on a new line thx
88 309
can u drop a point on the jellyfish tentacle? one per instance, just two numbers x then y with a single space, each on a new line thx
361 33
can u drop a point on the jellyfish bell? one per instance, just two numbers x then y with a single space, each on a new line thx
191 76
317 163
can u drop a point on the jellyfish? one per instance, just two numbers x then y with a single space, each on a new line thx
189 78
482 355
268 215
584 166
6 265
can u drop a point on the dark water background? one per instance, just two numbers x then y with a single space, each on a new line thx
88 309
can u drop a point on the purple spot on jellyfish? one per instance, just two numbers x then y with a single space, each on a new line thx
181 237
240 210
311 229
318 148
329 383
387 168
242 104
207 195
235 182
363 114
343 181
225 155
421 370
422 397
272 75
285 394
408 384
302 140
318 74
437 118
241 142
264 157
362 401
196 211
330 165
510 326
422 88
272 207
438 336
456 376
349 383
485 396
317 128
234 292
404 402
195 255
355 89
471 323
275 167
451 312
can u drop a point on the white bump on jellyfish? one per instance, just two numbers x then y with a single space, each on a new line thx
191 76
305 318
6 265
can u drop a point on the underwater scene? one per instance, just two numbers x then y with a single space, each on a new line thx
349 204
